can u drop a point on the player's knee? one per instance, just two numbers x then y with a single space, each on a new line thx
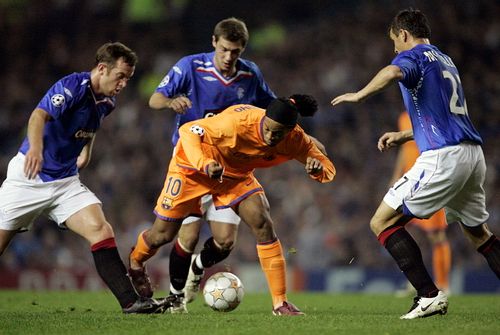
101 230
263 230
376 225
157 239
189 242
224 244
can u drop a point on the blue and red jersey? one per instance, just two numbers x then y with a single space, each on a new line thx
196 77
434 97
76 114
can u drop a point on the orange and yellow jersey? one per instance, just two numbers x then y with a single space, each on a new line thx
409 149
234 139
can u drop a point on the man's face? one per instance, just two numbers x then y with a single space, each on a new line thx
226 54
399 41
114 79
274 132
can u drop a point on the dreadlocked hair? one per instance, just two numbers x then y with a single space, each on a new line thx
306 104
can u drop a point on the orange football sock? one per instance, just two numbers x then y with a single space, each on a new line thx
441 261
274 267
142 252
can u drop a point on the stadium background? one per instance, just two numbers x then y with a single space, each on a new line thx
319 47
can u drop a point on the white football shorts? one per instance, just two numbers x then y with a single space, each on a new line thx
23 200
451 178
226 215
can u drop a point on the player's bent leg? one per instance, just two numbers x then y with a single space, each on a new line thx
148 244
137 270
190 232
486 244
255 212
389 225
215 250
90 223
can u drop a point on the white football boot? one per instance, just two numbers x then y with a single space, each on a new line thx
424 307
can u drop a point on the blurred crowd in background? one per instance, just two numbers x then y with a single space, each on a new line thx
323 48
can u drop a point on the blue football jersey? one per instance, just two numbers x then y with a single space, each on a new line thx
434 97
196 77
76 115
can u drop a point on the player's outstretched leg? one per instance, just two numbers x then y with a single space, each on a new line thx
145 305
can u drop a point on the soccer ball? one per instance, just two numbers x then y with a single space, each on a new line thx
223 291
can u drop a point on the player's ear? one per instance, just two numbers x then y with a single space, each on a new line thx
214 41
101 68
404 35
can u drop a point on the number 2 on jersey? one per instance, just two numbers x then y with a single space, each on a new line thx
455 82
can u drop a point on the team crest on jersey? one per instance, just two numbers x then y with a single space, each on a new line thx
240 92
198 130
57 100
167 203
165 81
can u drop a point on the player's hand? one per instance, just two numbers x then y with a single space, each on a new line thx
33 162
215 171
348 97
313 165
180 104
390 140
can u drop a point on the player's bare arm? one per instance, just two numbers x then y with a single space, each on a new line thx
83 159
382 79
393 139
178 104
34 156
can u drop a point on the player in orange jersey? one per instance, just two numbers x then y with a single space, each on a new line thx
218 156
435 226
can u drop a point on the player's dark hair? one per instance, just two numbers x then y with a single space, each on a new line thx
306 104
412 20
286 110
111 52
232 29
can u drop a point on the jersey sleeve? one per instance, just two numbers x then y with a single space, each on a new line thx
300 146
177 79
61 96
410 66
191 135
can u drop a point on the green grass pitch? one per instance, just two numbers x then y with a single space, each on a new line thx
98 313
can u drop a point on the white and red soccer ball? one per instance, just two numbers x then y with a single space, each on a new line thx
223 291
